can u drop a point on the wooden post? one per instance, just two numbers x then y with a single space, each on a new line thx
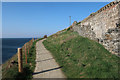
32 39
20 65
28 47
26 53
31 43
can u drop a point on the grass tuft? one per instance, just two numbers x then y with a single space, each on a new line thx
82 57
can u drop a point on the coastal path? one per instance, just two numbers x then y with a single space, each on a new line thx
46 66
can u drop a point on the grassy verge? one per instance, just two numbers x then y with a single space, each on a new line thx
12 72
81 57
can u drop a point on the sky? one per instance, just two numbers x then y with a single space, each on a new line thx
57 0
36 19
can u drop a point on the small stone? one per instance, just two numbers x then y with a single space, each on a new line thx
30 64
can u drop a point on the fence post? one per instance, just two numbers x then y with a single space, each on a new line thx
31 43
26 53
20 65
32 39
28 47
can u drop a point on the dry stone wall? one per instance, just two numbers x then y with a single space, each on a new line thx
103 26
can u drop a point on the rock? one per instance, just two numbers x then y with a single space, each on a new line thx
45 36
83 65
30 64
103 27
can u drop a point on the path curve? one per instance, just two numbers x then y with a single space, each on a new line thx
46 66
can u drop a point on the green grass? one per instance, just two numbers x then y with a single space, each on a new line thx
82 57
28 69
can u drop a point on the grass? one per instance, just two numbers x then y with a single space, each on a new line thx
28 69
82 57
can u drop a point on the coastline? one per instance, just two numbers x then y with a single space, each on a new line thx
9 47
11 65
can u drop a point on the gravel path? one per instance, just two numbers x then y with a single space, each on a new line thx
46 66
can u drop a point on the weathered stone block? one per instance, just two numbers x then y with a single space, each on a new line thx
103 27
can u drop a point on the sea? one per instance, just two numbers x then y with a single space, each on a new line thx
10 45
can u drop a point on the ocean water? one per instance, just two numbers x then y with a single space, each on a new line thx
10 45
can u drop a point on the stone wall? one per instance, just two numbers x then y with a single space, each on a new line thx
102 26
